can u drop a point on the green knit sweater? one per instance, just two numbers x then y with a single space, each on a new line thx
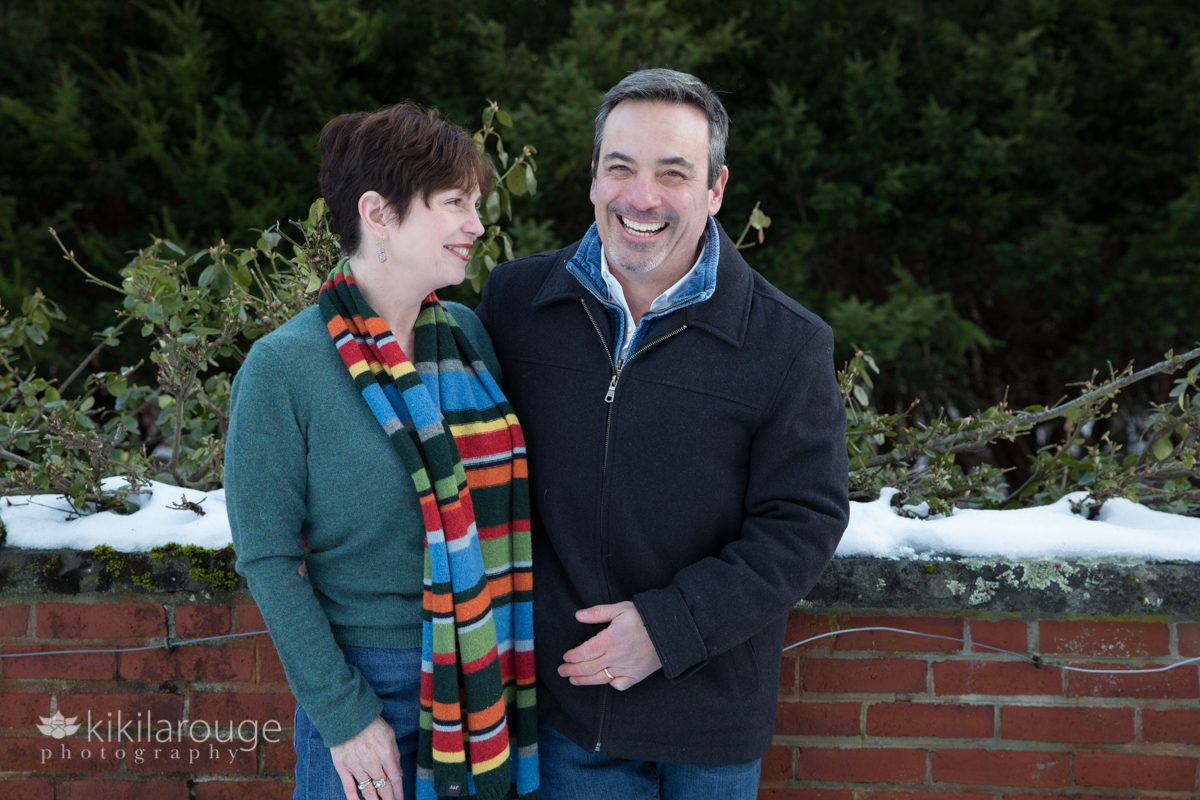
306 460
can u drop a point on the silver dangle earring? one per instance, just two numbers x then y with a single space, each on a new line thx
382 253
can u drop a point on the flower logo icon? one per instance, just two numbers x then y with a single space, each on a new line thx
58 726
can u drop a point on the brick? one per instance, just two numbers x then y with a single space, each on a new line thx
789 678
43 754
771 793
863 676
279 756
28 788
818 719
948 795
247 618
994 677
1001 768
861 765
942 720
104 621
224 708
14 620
1189 639
193 622
191 757
1071 725
270 668
778 764
1181 682
1118 770
1057 796
243 790
1171 725
195 663
1097 638
69 666
91 788
901 642
23 709
803 626
1008 634
165 706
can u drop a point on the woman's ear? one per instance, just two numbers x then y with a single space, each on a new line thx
372 211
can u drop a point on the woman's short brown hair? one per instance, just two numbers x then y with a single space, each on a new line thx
401 151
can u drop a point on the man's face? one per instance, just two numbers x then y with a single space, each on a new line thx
651 190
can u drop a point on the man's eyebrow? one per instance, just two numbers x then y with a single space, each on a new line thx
671 161
617 155
676 161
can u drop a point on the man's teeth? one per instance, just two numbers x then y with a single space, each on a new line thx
642 228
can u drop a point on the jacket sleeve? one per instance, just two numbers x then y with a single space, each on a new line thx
797 506
265 480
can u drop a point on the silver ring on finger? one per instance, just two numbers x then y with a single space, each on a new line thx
379 783
364 783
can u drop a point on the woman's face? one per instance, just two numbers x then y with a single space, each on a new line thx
432 244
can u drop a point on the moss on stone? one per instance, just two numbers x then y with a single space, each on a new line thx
211 567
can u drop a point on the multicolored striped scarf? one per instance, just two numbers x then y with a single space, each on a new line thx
464 448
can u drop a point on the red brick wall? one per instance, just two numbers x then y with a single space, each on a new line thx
867 716
238 681
882 716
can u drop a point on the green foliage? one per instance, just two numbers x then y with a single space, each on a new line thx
924 461
1029 171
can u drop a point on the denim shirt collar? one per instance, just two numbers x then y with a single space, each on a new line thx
700 286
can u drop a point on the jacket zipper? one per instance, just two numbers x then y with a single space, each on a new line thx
609 397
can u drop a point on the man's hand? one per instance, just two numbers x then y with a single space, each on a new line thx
624 647
370 755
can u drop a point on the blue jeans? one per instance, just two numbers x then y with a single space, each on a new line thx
571 773
394 675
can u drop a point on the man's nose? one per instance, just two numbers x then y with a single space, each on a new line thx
643 194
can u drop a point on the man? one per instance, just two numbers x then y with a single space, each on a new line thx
687 464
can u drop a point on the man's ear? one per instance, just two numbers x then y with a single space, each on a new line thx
592 190
372 212
717 193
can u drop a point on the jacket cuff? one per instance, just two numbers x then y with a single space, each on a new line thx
672 631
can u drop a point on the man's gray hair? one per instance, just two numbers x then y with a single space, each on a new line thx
670 86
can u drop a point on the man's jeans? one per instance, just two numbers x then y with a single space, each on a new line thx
395 675
571 773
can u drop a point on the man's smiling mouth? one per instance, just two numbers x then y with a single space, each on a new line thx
641 229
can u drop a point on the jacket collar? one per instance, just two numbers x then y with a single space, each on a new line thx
725 314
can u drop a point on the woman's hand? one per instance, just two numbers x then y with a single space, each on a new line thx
369 756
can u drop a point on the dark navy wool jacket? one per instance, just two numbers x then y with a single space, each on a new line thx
706 481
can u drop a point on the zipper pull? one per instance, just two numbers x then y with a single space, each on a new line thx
612 389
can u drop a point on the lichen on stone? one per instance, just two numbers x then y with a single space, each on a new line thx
985 590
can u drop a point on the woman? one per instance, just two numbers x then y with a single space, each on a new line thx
369 451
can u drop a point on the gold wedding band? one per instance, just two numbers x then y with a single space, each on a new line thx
611 677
